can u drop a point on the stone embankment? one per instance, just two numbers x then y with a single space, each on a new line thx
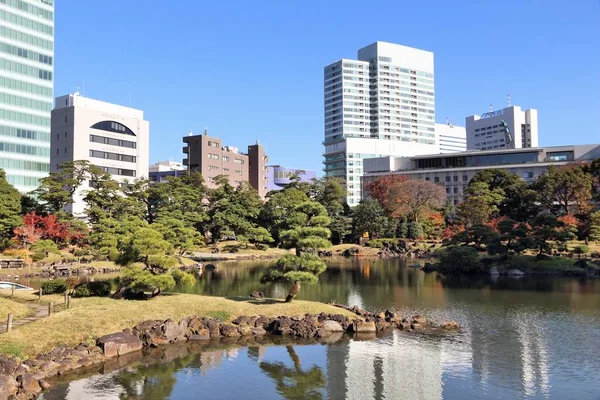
27 379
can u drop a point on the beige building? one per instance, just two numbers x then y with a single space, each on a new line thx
207 155
112 137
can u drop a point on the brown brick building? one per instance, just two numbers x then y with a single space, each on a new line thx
207 155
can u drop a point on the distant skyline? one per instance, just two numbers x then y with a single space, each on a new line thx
254 70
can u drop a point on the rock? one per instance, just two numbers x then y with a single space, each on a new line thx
173 331
7 365
381 315
241 320
258 331
49 368
263 322
8 385
257 295
392 317
196 338
44 385
419 319
360 327
245 330
494 271
416 326
117 344
30 385
228 330
280 326
22 369
428 267
515 272
332 326
352 251
214 328
450 325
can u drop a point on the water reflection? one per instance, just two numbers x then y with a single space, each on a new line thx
527 338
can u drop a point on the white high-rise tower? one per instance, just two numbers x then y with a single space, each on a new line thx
26 90
379 105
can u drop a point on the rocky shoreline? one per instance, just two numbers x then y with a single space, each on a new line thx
27 379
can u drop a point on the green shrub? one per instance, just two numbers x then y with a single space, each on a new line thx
261 246
93 289
55 286
81 252
42 248
462 259
380 243
415 230
183 278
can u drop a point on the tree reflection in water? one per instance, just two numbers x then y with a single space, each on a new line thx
153 381
295 383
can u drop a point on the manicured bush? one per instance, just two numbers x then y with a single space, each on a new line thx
81 252
461 259
93 289
183 278
55 286
415 230
381 243
261 247
42 248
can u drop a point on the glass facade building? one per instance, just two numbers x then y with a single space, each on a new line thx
26 90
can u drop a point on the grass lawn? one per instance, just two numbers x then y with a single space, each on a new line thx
7 306
91 317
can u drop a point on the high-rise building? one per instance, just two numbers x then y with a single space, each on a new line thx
279 177
207 155
160 171
509 128
112 137
26 90
451 138
382 104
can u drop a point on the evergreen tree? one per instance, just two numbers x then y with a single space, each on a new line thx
10 207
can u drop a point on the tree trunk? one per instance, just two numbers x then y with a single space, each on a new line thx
293 292
156 292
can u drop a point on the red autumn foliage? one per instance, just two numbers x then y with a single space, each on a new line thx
37 227
379 189
452 230
493 223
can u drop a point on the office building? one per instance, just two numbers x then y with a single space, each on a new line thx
26 90
279 177
451 138
454 171
382 104
162 169
207 155
112 137
509 128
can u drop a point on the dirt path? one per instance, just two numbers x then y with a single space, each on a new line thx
39 312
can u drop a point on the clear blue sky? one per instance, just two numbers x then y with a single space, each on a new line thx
252 70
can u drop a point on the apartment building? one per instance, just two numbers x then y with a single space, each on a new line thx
207 155
112 137
509 128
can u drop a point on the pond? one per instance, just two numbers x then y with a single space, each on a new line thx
520 338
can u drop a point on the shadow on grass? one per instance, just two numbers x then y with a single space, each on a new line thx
256 301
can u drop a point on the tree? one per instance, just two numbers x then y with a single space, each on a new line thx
183 238
411 198
147 246
274 214
474 210
370 217
512 237
309 228
58 187
107 200
546 228
293 268
565 190
232 210
379 189
42 249
595 226
331 194
10 206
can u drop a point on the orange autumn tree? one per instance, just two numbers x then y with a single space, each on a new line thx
412 198
379 189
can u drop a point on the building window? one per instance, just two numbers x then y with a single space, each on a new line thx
225 159
65 135
112 126
436 179
238 161
57 136
213 156
465 178
237 171
447 179
112 156
65 150
112 142
57 151
455 190
455 178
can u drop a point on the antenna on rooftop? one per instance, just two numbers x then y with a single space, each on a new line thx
206 131
509 100
191 133
491 108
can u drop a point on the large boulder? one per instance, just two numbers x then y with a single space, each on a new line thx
228 330
332 326
362 327
173 331
449 325
494 271
7 365
515 272
8 385
30 385
120 343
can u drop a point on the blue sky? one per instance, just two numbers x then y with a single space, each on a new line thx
252 70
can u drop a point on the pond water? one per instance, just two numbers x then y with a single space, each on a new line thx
523 338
